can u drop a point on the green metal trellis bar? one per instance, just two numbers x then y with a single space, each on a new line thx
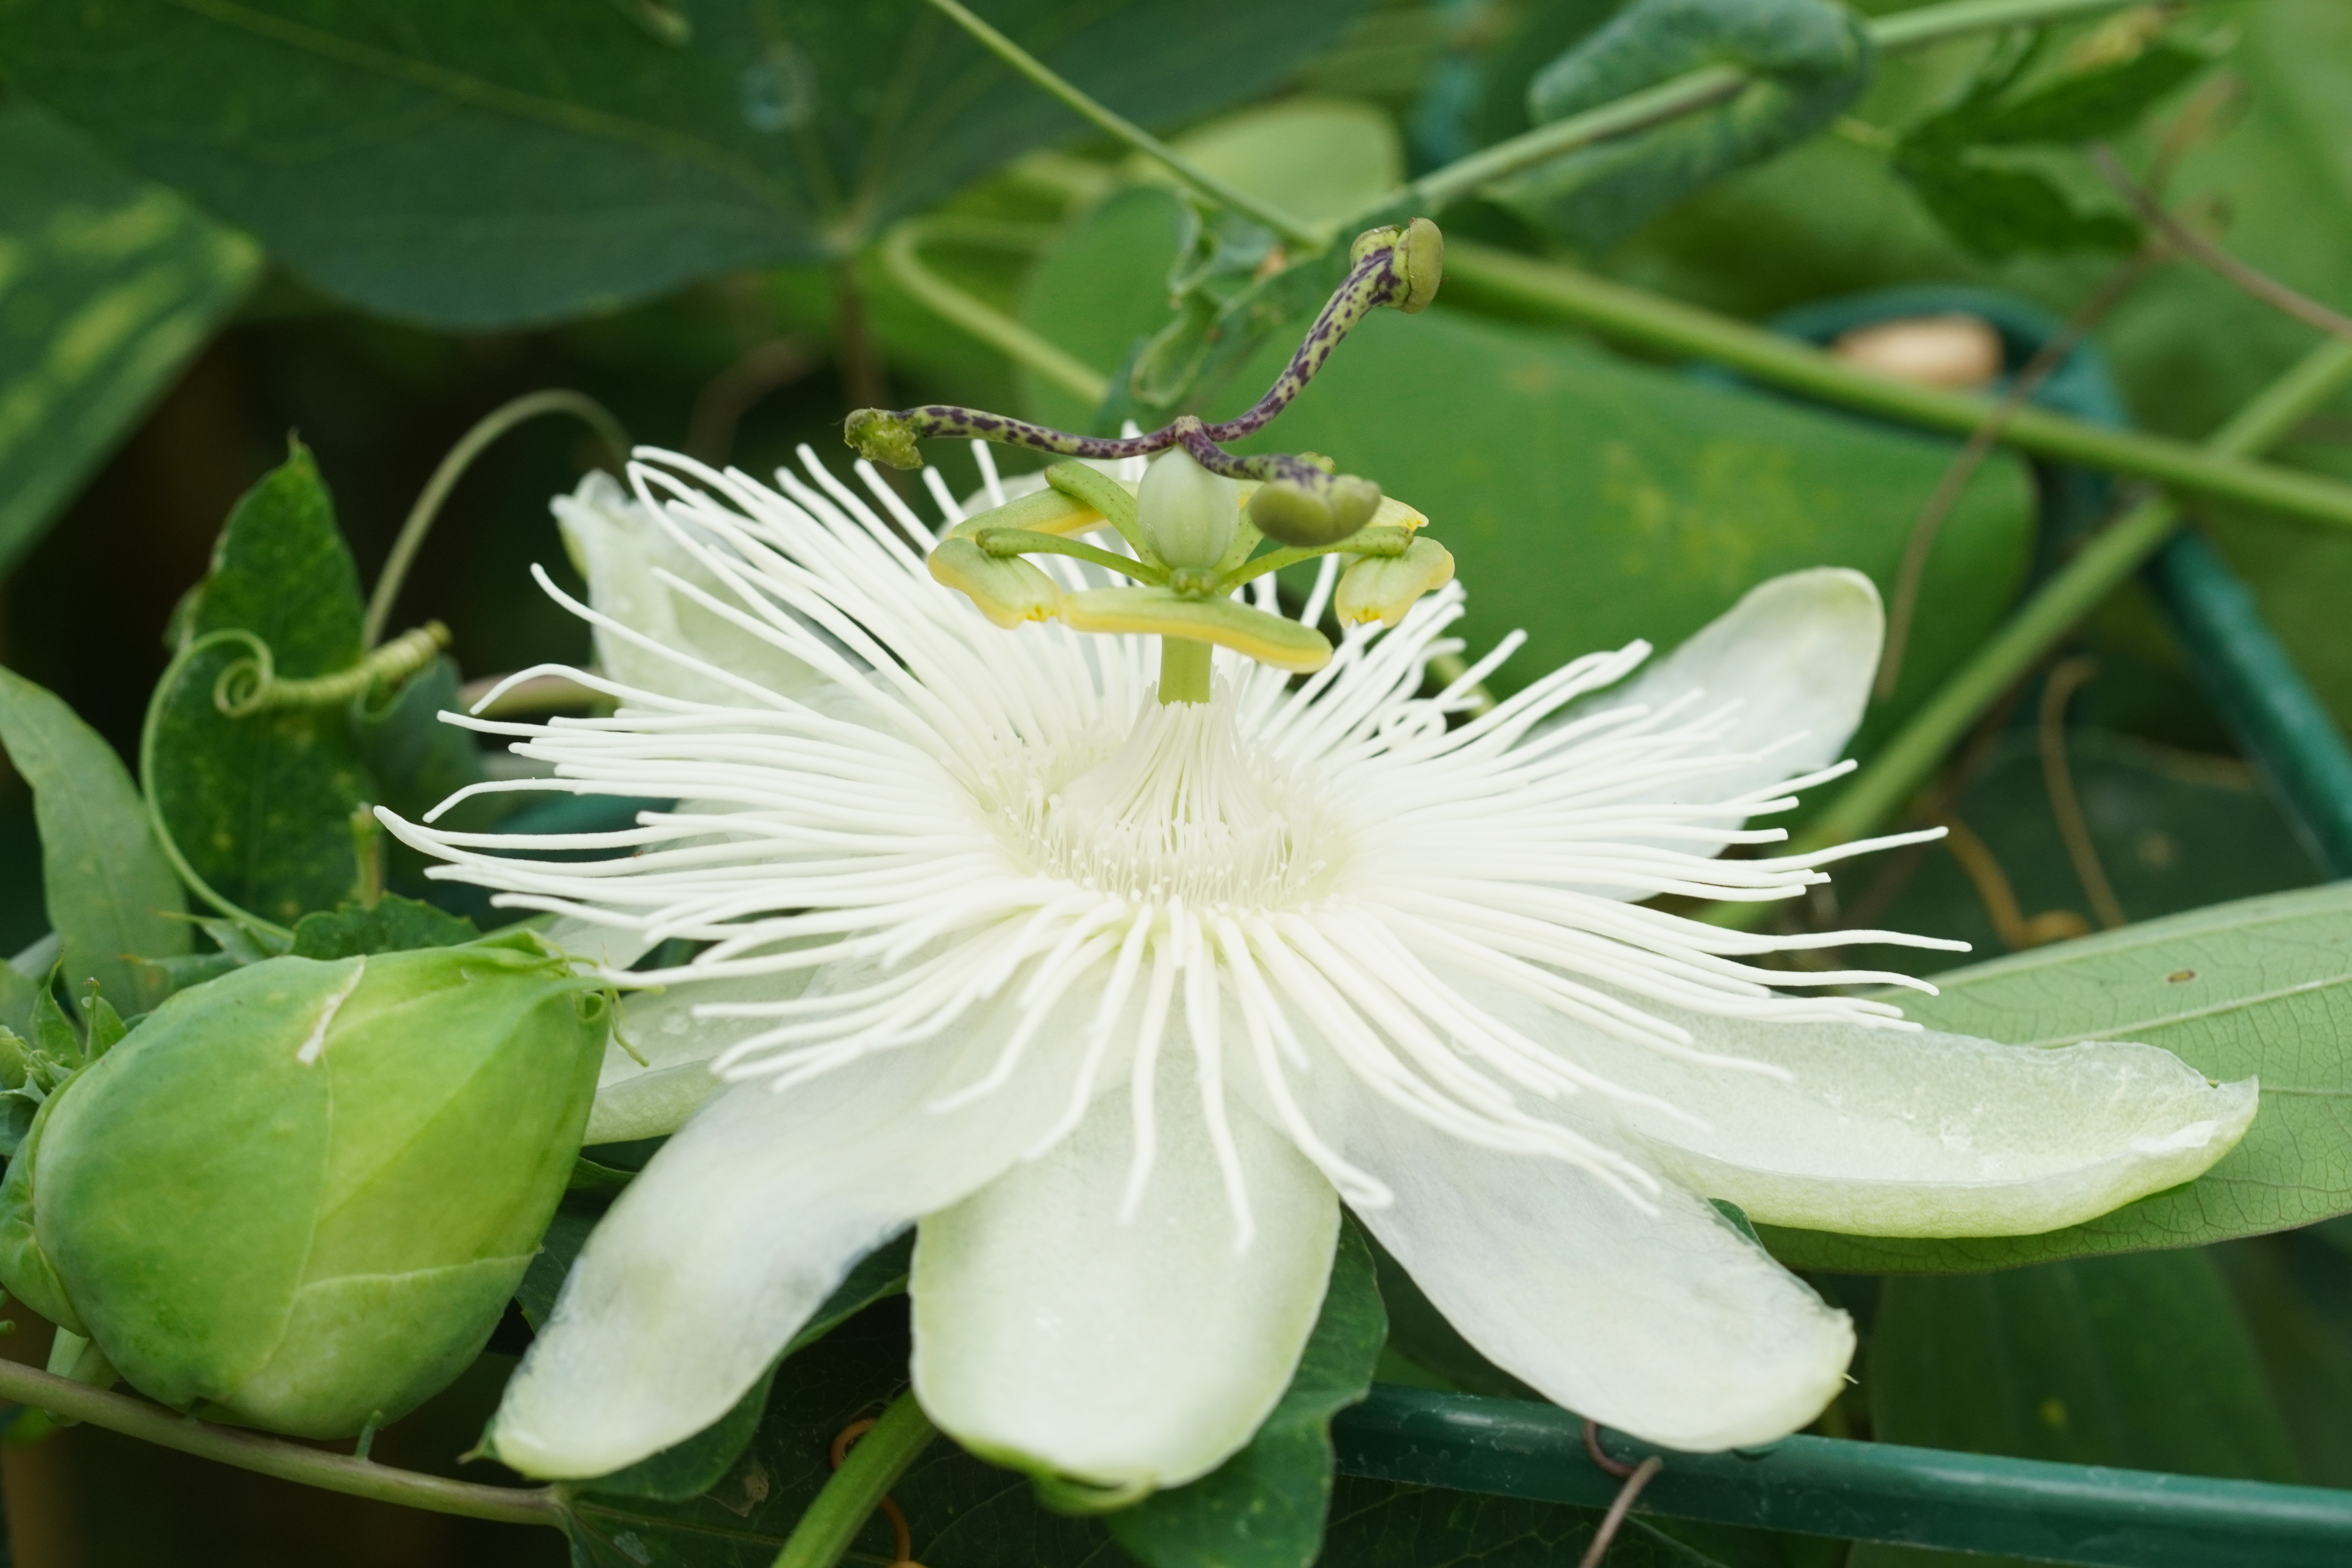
2085 1514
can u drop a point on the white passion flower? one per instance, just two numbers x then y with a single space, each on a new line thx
1116 1002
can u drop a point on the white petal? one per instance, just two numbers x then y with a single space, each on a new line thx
1050 1337
617 546
1888 1132
1671 1326
646 1099
1796 655
737 1231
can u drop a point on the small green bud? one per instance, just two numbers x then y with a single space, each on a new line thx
303 1193
1290 513
1007 589
1383 588
882 437
1188 515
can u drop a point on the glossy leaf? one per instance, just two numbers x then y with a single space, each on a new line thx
1585 498
2294 1292
111 894
111 285
470 169
2262 987
261 806
1265 1507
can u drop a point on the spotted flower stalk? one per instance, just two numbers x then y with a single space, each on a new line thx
1059 894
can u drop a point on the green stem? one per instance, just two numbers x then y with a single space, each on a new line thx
1296 231
493 425
269 1456
849 1498
1905 763
1184 671
1566 293
1703 89
165 688
902 259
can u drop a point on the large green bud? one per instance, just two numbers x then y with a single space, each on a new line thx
300 1196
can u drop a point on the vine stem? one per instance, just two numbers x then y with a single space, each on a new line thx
850 1497
902 259
491 425
1298 231
270 1456
2220 470
1905 763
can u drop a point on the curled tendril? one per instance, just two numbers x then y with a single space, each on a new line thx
1302 502
251 685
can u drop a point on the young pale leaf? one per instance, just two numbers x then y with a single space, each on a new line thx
2140 1362
2088 106
557 161
112 284
262 805
2261 988
1265 1507
112 895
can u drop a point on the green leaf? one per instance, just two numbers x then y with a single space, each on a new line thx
262 806
394 925
1810 60
1265 1507
2175 831
2138 1361
1998 212
551 161
2092 105
2262 987
2294 1293
111 894
111 285
1379 1524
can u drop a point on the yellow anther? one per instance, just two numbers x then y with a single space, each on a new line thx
1008 590
1159 612
1383 588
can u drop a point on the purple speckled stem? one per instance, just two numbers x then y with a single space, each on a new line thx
1376 280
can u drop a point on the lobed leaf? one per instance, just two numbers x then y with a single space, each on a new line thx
262 806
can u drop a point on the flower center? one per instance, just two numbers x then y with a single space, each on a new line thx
1182 810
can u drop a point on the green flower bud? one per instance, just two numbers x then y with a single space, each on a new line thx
1189 515
299 1196
1292 514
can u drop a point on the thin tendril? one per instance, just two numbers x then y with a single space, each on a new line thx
491 425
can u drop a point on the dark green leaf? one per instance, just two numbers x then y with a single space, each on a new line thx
1379 1524
2294 1293
394 925
2138 1361
566 1234
552 162
111 894
1265 1507
112 284
1811 60
2174 830
2259 987
1998 212
2092 105
1585 498
262 806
